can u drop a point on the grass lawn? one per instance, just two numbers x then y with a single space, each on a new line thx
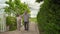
33 20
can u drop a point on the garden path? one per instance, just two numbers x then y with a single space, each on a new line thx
33 29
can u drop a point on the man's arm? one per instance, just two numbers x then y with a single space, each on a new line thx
29 15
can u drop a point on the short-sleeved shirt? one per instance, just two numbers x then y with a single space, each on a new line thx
26 17
19 18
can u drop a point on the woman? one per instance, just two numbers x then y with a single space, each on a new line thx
19 21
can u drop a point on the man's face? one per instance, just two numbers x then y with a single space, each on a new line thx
26 12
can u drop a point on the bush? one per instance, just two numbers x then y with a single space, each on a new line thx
11 22
48 17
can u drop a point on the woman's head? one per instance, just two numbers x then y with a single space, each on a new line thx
17 15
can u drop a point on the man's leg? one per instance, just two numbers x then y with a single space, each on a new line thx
19 25
27 25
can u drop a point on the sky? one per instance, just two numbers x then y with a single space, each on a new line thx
30 1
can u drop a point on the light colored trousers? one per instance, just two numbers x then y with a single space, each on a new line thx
18 25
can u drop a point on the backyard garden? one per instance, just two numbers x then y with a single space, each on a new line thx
47 20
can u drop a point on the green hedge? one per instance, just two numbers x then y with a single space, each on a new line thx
49 17
11 22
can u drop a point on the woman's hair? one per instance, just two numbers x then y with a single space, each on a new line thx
17 15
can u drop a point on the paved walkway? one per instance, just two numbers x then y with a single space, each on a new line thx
32 30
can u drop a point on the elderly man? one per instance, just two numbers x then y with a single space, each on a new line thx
26 20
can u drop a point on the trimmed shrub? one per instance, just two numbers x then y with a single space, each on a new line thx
11 22
49 17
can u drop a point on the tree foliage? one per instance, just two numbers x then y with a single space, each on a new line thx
49 17
16 7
